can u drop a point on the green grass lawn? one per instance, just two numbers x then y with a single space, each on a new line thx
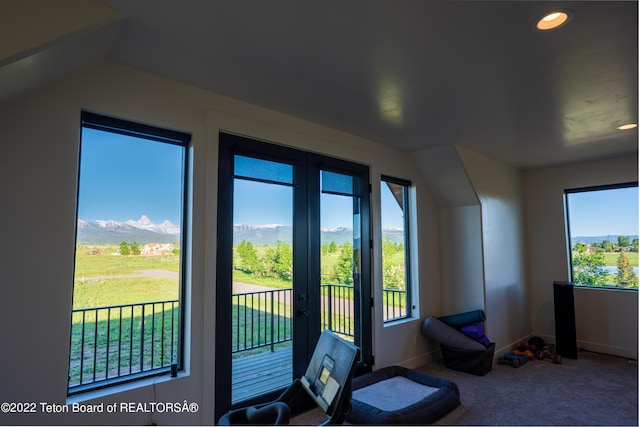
611 258
97 281
113 340
108 291
107 264
107 343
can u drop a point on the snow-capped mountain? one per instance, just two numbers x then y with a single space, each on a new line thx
140 231
144 223
268 234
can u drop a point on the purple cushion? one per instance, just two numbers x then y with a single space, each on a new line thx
475 330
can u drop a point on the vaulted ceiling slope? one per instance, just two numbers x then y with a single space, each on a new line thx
412 74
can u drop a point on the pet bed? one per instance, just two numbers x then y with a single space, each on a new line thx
397 395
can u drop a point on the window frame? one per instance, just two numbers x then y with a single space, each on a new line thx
587 189
104 123
406 186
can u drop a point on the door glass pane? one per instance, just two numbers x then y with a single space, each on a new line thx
337 183
262 285
263 170
340 259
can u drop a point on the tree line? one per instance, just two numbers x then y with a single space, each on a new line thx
589 264
277 262
622 243
133 248
129 249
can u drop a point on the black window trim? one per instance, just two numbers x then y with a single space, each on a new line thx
154 133
406 184
576 190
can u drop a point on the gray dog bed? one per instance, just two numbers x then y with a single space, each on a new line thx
397 395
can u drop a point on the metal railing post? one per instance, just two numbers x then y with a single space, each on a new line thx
272 319
330 307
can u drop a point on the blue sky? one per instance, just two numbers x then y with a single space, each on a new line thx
599 213
258 204
123 178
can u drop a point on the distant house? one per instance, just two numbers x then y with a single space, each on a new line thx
157 249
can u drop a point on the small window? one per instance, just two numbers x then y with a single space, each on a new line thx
127 312
602 227
396 280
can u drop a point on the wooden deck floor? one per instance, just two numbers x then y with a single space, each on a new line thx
258 374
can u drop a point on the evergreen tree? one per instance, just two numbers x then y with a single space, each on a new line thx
626 277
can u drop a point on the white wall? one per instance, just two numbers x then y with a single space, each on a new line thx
606 320
38 174
482 239
460 223
462 266
499 188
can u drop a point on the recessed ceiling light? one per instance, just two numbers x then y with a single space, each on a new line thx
553 19
628 126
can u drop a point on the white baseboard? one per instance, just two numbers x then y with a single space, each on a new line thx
435 355
629 353
420 360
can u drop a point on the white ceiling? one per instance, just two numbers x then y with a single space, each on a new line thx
413 74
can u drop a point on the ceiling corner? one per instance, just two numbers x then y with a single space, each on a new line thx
41 41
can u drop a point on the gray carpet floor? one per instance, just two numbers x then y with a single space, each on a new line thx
593 390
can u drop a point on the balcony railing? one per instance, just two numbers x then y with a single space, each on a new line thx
263 319
394 305
114 342
336 306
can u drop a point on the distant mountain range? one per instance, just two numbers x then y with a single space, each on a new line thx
613 238
114 232
144 231
268 234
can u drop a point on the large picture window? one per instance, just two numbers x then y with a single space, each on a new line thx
396 280
127 313
602 227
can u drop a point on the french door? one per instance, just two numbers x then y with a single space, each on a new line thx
293 259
